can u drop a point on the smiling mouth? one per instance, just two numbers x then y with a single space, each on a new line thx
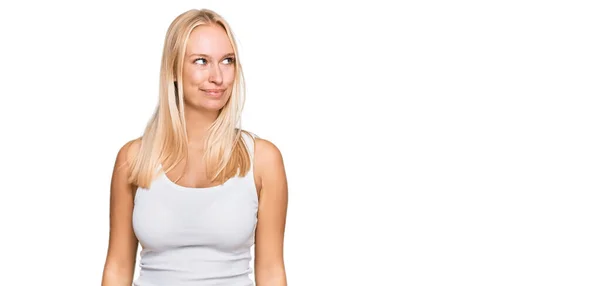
213 92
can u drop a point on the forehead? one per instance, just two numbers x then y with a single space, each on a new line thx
210 40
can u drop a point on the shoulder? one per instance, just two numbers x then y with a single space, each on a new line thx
267 153
122 168
268 158
128 151
269 164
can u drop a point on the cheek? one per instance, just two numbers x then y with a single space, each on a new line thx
195 76
228 76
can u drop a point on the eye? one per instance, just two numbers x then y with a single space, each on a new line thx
202 61
229 60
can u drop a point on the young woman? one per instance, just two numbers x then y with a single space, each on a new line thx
196 191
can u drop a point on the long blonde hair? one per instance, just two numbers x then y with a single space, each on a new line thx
165 137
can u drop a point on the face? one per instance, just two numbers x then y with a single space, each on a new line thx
208 68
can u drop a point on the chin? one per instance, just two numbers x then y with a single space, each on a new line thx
208 105
212 106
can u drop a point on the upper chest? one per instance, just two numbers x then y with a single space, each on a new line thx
191 173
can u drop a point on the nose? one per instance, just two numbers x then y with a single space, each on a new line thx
215 76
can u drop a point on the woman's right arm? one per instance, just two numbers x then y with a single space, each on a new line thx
122 243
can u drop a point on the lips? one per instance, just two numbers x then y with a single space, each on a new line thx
213 92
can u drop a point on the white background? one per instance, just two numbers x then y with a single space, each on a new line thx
426 142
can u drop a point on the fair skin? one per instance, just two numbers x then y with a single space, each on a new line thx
208 65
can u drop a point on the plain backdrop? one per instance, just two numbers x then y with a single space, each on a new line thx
425 142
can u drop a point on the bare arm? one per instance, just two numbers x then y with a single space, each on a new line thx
272 211
122 246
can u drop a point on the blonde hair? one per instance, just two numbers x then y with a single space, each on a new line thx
165 137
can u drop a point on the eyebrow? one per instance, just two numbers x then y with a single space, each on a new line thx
207 56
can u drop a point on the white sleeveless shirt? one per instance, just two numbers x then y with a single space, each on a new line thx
196 236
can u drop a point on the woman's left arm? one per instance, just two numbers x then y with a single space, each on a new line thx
272 211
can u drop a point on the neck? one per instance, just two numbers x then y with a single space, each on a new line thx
197 124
